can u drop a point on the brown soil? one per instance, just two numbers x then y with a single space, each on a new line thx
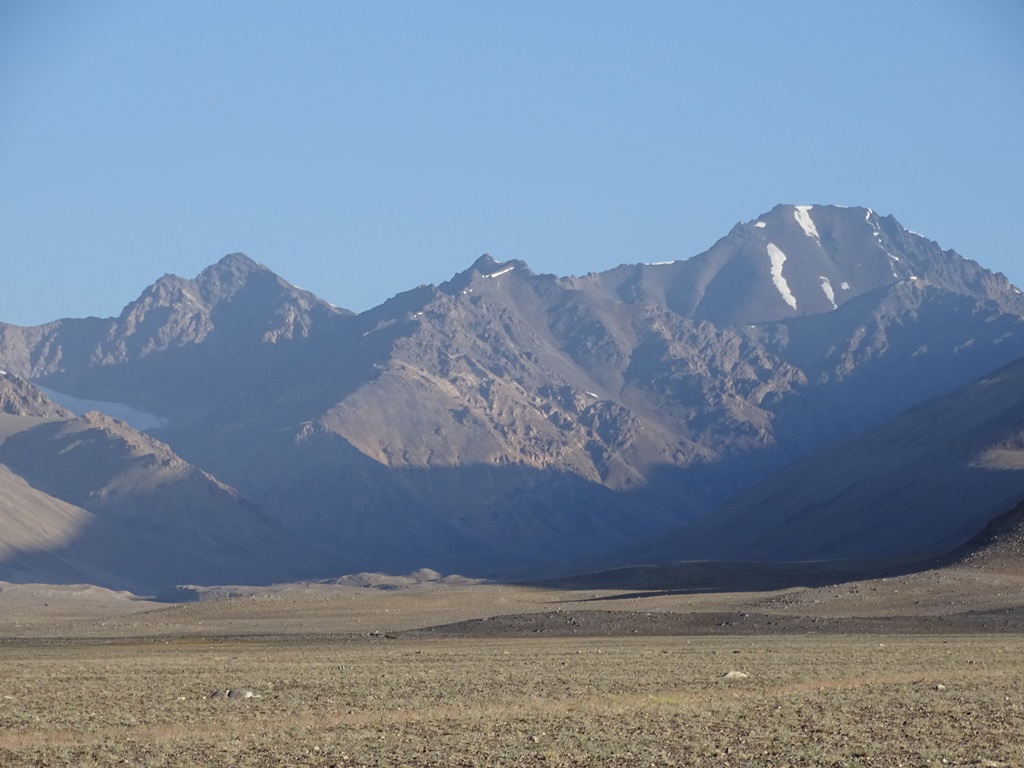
915 669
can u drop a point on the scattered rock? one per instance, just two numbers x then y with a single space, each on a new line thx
940 687
233 693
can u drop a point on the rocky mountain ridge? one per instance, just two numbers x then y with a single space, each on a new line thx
503 420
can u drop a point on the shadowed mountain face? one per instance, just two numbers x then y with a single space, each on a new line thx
914 487
503 420
89 499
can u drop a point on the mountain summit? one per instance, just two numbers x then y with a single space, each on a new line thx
802 260
503 420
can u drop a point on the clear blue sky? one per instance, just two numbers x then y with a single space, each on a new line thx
360 149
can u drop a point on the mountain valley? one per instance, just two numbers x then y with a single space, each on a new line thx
749 403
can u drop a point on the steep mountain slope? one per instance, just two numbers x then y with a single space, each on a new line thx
178 348
796 261
90 498
503 419
999 546
916 486
31 521
19 397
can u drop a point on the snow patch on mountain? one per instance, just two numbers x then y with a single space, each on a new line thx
139 420
501 271
760 224
830 294
802 214
778 258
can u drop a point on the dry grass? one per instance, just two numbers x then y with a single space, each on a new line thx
574 701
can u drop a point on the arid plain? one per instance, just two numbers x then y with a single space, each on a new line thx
916 669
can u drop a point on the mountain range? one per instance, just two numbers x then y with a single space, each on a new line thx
820 383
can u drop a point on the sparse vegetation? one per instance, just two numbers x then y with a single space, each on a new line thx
321 701
922 669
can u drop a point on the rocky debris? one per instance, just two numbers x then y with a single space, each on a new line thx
602 623
233 693
998 544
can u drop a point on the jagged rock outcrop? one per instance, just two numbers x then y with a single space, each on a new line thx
19 398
